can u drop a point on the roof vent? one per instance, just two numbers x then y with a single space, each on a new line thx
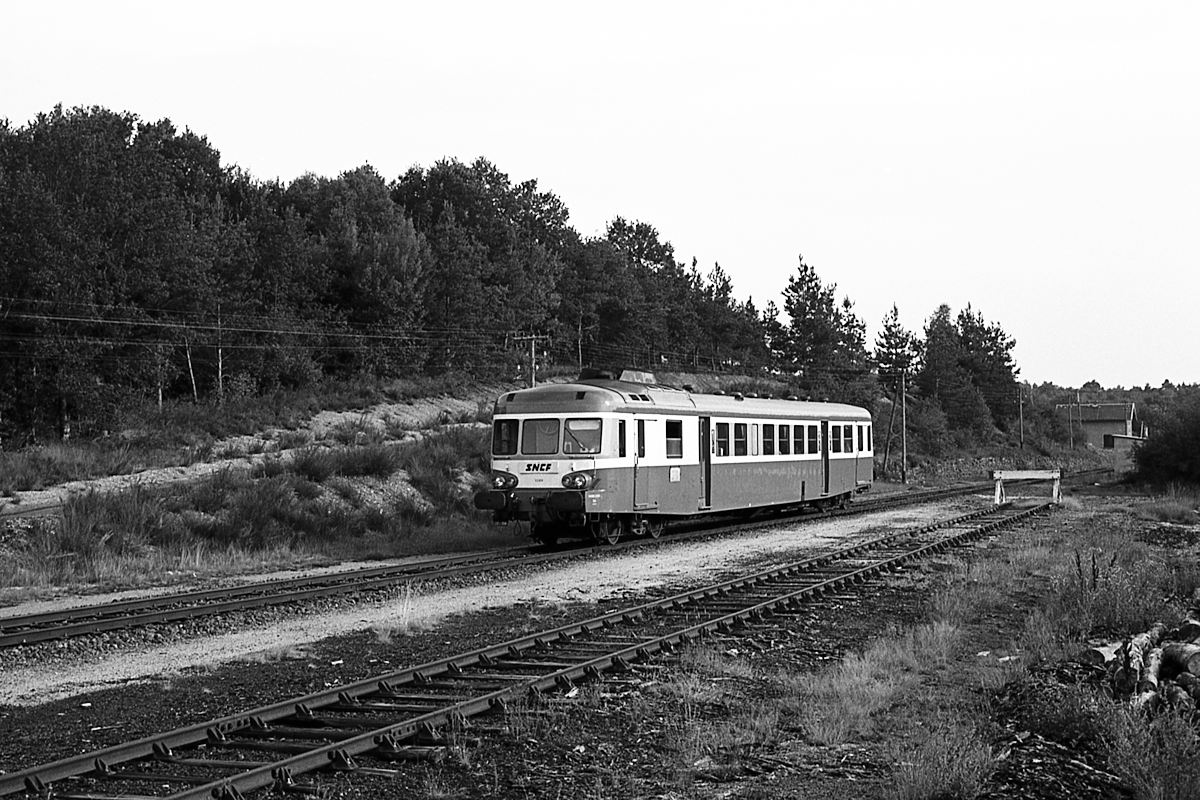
738 396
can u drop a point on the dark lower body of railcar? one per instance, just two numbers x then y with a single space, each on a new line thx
639 501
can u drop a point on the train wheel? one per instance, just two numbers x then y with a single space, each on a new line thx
606 530
655 528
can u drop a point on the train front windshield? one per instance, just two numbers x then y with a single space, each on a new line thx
541 437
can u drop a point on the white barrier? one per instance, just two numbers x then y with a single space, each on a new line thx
1001 475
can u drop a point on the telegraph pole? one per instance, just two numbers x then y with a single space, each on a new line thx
903 428
533 340
1021 412
1070 429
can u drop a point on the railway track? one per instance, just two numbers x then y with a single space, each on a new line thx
391 717
28 629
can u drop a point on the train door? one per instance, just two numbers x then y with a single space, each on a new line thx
705 463
825 456
641 482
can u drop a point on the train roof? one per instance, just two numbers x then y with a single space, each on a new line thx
601 395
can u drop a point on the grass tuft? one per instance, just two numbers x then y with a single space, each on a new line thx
953 761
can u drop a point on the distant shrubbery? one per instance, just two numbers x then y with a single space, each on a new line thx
1171 454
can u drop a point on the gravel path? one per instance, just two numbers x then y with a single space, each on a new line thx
586 580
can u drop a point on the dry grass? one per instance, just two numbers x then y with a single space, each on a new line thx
404 622
1180 504
840 704
951 761
713 725
1157 758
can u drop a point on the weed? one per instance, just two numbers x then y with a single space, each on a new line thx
1101 595
404 622
1072 715
952 761
1156 758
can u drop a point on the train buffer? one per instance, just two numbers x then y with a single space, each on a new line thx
1002 475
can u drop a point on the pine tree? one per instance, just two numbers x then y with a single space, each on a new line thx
895 350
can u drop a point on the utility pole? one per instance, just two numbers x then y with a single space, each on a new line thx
1071 428
220 361
903 428
533 340
1021 412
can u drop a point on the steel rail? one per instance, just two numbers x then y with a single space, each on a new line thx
79 620
82 620
27 629
517 655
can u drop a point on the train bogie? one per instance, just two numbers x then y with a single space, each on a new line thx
605 458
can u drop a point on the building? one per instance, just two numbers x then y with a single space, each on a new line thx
1106 426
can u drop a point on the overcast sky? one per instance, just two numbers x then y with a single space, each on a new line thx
1038 160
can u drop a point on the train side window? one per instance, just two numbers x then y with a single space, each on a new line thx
785 440
835 438
814 439
862 436
582 436
848 438
870 444
539 437
621 438
674 438
739 438
722 439
798 440
768 440
754 440
641 451
504 437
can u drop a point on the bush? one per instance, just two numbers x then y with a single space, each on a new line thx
437 465
1171 454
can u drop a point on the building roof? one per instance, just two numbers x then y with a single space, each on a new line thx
1100 412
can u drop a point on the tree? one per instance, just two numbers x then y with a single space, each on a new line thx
895 350
943 379
986 355
824 345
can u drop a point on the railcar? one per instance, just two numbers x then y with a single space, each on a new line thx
604 457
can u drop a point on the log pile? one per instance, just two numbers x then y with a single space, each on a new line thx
1155 667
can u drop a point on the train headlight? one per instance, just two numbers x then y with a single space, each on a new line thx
579 480
503 480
